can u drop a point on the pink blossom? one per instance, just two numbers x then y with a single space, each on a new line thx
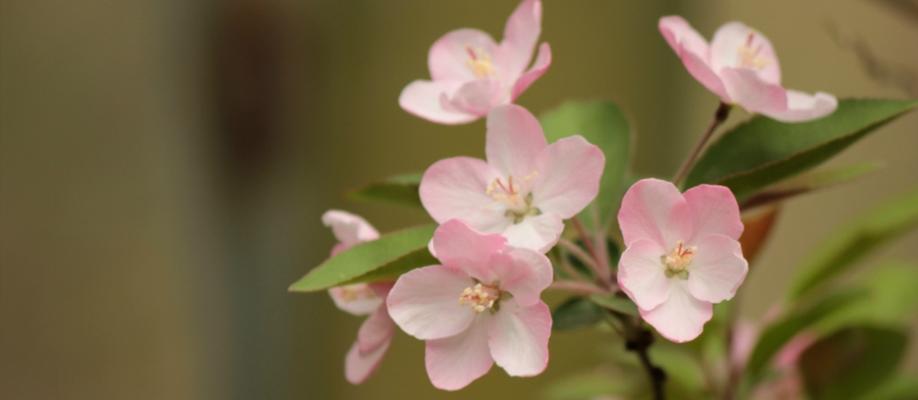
786 382
360 299
480 306
741 67
682 254
471 73
525 189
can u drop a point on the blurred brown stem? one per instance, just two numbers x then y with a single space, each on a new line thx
723 111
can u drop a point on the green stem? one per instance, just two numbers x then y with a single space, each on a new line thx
723 111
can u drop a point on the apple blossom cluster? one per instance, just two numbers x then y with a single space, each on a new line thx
498 218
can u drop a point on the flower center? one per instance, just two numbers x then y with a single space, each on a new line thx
510 194
356 292
678 260
481 297
479 62
749 54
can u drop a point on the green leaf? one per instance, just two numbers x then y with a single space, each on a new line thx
682 368
896 388
890 299
387 256
602 124
615 303
851 362
850 244
398 189
586 386
576 312
763 151
809 182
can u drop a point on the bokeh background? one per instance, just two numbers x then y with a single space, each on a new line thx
164 163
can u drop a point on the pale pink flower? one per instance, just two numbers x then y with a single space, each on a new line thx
741 67
481 306
786 381
471 73
525 189
361 299
682 254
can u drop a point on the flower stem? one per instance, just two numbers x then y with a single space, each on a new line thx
577 287
723 111
598 265
639 341
579 253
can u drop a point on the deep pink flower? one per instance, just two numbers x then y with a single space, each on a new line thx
526 188
682 254
481 306
360 299
472 74
741 67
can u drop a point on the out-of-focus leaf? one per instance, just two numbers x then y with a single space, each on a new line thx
683 371
615 303
587 386
809 182
897 388
763 151
602 124
758 226
399 189
851 243
392 253
576 312
891 299
851 362
777 334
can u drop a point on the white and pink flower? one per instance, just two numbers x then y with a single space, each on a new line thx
741 67
480 306
361 299
471 73
682 254
524 190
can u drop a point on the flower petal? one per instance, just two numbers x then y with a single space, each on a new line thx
518 338
458 246
717 270
454 362
514 140
520 36
449 57
654 209
475 97
805 107
522 272
747 89
375 331
356 299
423 99
568 179
733 41
641 274
425 302
349 229
693 50
359 366
715 211
455 188
539 233
681 318
539 68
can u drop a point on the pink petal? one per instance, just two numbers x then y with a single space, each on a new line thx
804 107
641 274
423 99
524 273
747 89
520 36
568 179
539 233
715 212
357 299
475 97
349 229
449 56
425 302
542 62
654 209
514 140
733 36
518 338
717 270
789 355
359 366
375 331
745 336
681 318
454 362
455 188
458 246
693 50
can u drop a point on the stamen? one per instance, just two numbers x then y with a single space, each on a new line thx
678 261
749 56
519 206
479 62
481 297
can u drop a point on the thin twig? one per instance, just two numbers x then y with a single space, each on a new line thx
639 341
578 226
577 287
599 238
578 252
723 110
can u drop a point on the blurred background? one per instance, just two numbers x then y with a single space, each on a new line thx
164 164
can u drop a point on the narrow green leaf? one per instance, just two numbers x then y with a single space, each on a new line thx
392 253
897 388
763 151
890 299
398 189
809 182
602 124
851 362
853 242
615 303
576 312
